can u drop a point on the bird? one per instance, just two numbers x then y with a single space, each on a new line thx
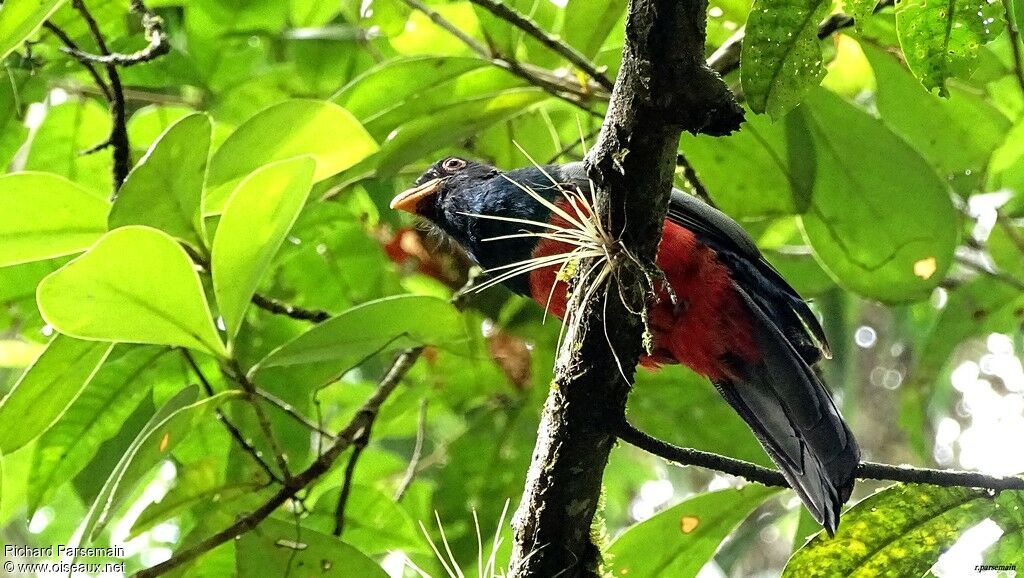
726 313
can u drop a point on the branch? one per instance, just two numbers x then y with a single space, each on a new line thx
554 43
1014 33
632 165
153 27
261 418
866 471
281 308
318 468
358 445
119 128
223 418
544 79
417 453
89 67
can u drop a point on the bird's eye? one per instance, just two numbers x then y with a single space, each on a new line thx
453 164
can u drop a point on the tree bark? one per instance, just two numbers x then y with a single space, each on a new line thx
663 87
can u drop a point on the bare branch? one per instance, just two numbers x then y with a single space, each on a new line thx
89 67
238 436
153 27
417 453
119 127
281 308
318 468
867 470
261 418
1014 33
554 43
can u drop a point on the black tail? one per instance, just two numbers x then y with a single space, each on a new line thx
791 413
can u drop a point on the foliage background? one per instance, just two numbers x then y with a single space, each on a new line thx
892 195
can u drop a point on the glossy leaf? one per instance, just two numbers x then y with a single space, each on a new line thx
393 82
423 136
941 38
781 59
888 235
47 388
68 129
19 19
46 215
256 219
325 131
327 351
168 426
95 416
165 190
764 169
590 22
900 531
278 548
136 285
956 135
687 534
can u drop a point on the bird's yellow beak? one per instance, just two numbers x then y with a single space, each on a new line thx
408 199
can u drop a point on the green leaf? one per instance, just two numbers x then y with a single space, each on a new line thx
280 548
861 10
900 531
374 522
165 189
687 534
46 215
323 130
781 58
168 426
764 169
956 135
67 130
674 395
136 285
392 83
1006 245
422 136
97 415
19 19
47 388
590 23
330 349
885 234
941 38
256 219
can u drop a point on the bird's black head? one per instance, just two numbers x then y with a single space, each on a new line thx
454 192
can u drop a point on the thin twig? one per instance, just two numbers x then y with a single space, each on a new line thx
261 417
984 270
358 445
293 413
691 177
153 27
319 467
417 453
867 470
522 22
232 429
543 79
1014 33
89 66
572 146
281 308
119 128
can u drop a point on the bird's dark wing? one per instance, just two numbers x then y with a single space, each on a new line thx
752 272
738 251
